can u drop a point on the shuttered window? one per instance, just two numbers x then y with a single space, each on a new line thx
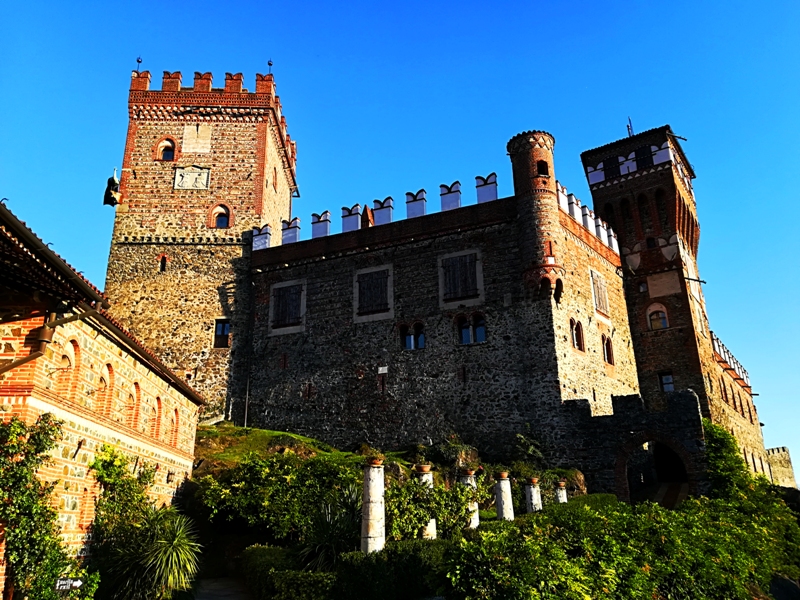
460 277
286 310
373 292
600 294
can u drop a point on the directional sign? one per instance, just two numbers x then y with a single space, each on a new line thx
66 584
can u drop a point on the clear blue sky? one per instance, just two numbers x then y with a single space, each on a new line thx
384 100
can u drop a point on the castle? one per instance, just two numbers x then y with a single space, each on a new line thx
589 325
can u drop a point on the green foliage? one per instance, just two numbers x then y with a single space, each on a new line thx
411 505
276 491
142 552
303 585
527 449
335 528
727 470
34 553
454 451
259 565
406 570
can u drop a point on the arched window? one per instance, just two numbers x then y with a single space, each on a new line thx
471 331
611 218
559 291
724 390
657 317
412 338
156 431
661 207
478 329
166 150
542 168
220 217
576 333
608 350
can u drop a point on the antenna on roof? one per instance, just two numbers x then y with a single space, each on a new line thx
138 63
630 127
269 64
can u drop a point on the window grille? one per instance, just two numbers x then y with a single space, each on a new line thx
373 292
286 307
600 294
222 333
611 167
460 277
644 157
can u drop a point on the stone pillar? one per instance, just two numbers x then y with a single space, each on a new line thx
373 511
475 518
505 507
533 496
429 531
561 492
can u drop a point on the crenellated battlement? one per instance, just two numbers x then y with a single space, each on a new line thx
778 450
586 217
203 102
729 361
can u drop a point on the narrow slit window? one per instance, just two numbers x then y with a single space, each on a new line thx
419 336
608 350
667 382
162 264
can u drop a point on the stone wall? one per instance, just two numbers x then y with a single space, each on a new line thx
233 149
780 464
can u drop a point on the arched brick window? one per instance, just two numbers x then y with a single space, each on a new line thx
657 317
542 168
156 423
166 150
220 217
176 427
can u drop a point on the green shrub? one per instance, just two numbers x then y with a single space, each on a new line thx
303 585
405 570
259 566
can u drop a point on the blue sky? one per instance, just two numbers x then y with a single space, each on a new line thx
383 100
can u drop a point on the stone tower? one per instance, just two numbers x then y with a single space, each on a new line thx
202 168
642 186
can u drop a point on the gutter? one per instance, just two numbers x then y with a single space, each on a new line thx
46 332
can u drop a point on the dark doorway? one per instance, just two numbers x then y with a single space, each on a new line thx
657 473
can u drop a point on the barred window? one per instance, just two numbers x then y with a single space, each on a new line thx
373 292
611 167
644 157
460 277
600 294
287 306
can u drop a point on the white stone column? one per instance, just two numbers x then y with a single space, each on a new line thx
373 511
505 507
561 492
429 531
475 518
533 496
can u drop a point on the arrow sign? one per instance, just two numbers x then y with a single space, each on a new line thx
66 584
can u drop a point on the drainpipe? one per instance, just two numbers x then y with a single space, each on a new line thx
45 337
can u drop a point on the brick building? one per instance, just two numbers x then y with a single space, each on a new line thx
62 353
531 309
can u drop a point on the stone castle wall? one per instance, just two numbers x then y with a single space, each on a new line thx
780 464
232 147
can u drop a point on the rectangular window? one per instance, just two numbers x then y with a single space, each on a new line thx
286 310
611 167
600 294
644 157
373 292
460 277
222 333
667 384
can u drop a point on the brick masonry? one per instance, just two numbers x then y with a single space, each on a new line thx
104 394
